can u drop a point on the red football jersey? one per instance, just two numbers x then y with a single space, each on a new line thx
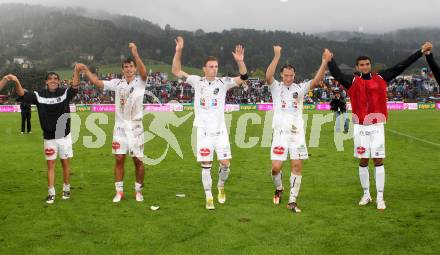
369 100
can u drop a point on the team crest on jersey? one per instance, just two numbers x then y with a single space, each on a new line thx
295 95
216 90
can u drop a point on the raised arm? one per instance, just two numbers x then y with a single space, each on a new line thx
75 79
344 79
177 60
90 76
18 87
3 82
270 72
139 64
326 57
391 73
433 66
239 58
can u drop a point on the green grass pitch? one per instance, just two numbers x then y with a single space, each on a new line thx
331 222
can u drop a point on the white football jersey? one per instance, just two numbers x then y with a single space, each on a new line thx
209 100
129 98
288 104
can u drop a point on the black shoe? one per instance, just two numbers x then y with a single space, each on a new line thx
66 195
50 199
277 197
294 207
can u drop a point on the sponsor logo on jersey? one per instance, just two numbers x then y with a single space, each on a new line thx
204 152
278 150
49 151
361 150
116 145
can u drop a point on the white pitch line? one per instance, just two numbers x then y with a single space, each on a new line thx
412 137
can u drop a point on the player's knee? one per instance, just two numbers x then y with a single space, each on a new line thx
276 167
225 163
363 162
296 167
137 161
378 161
120 158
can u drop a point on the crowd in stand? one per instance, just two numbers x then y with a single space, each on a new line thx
160 89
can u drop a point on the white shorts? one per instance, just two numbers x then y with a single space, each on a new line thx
208 142
61 147
131 142
287 141
369 141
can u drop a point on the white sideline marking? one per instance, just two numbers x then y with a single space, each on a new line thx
412 137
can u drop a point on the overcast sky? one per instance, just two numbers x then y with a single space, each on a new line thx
290 15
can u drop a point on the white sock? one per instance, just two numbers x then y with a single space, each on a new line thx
278 180
207 181
380 181
223 174
119 186
364 176
295 184
66 186
138 187
51 191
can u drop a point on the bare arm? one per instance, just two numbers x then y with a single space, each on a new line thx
90 76
239 58
177 60
326 57
139 64
18 87
270 72
3 82
75 82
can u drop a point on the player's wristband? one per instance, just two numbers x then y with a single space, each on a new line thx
244 77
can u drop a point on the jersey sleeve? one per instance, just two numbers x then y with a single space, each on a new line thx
141 83
110 85
71 93
30 98
305 86
193 80
229 82
274 86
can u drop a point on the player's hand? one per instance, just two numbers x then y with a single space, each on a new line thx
179 43
133 48
327 56
79 67
277 50
238 53
11 77
426 48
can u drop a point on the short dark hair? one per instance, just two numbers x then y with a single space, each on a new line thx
360 58
128 61
50 74
287 66
209 58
